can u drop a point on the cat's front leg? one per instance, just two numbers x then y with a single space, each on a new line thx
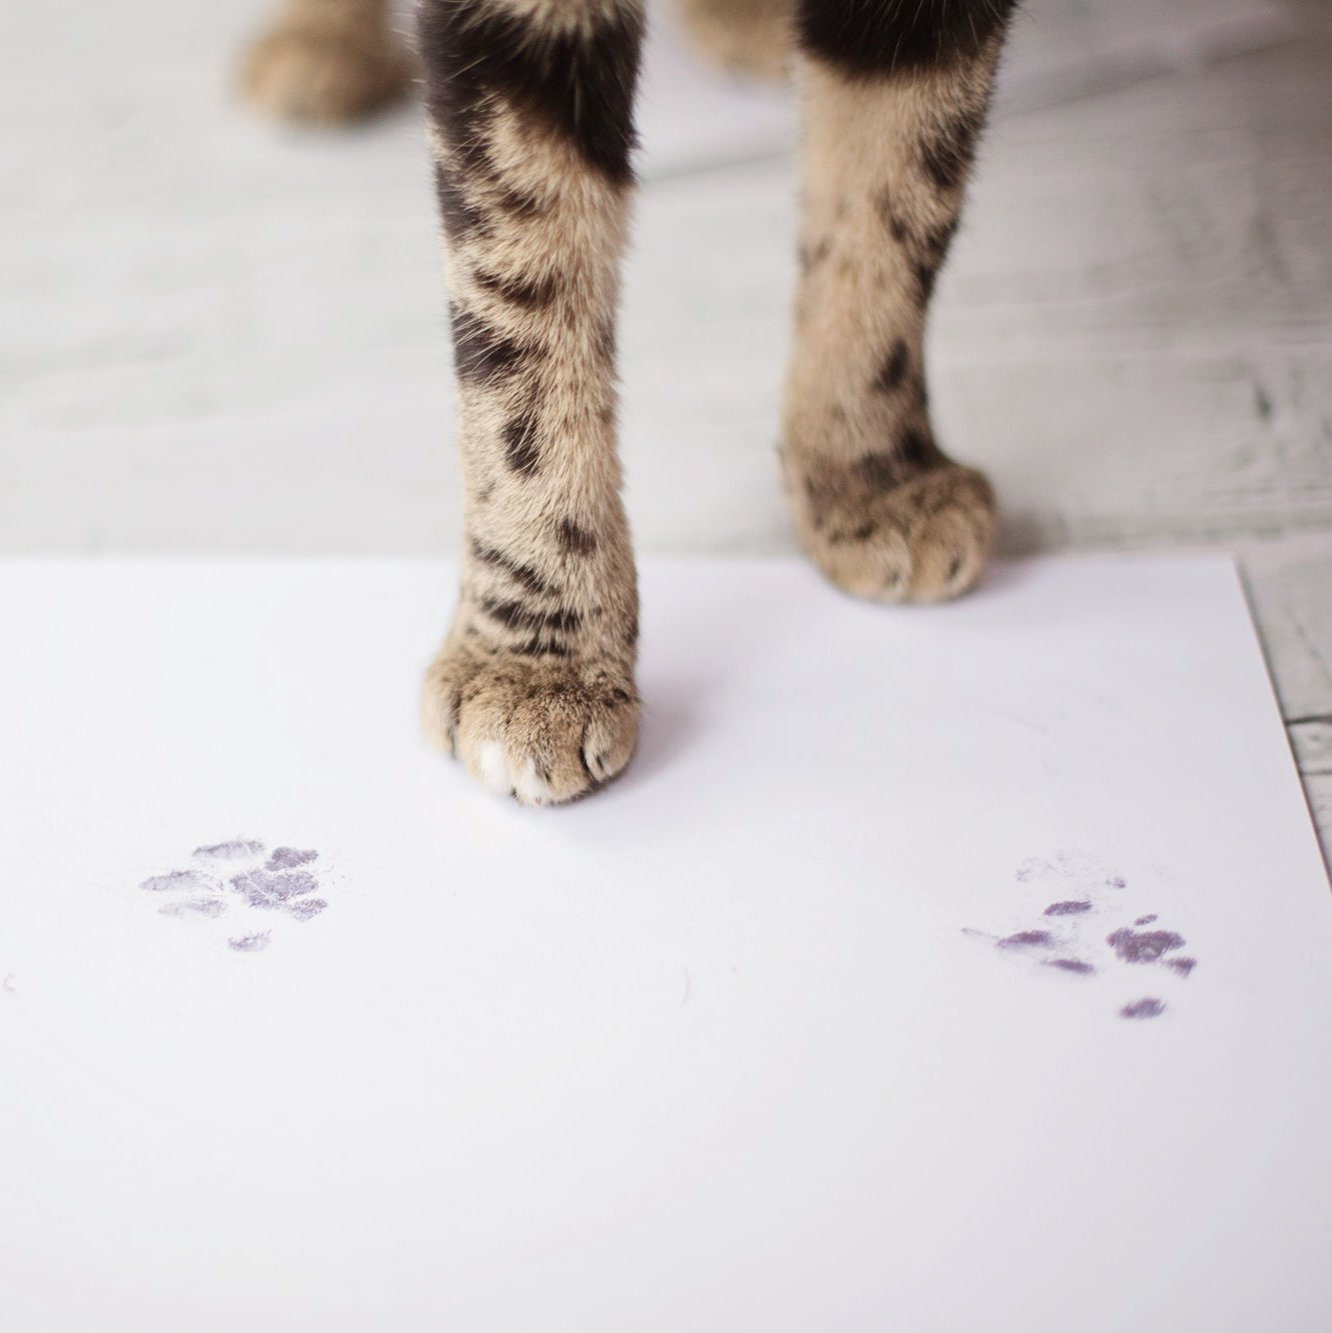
530 103
895 95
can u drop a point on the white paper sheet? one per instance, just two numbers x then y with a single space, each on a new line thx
759 1038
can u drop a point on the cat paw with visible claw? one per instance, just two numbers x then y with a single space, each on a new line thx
541 731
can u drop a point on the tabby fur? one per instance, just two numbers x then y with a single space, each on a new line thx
530 107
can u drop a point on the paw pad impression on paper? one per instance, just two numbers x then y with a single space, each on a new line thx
242 878
1070 934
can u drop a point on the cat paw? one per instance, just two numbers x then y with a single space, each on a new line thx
882 529
542 731
310 74
749 37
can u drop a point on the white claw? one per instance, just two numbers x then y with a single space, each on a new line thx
493 768
530 788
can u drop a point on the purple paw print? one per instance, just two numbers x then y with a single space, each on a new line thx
242 877
1068 938
280 890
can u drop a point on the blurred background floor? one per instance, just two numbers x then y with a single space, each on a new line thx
222 336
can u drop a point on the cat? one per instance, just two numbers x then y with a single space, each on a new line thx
530 108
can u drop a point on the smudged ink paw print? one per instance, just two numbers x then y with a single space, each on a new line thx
288 858
229 851
255 943
209 907
274 891
180 879
1065 939
242 877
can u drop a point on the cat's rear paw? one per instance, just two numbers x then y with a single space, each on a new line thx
751 37
541 730
313 74
895 533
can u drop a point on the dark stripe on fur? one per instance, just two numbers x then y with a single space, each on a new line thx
871 38
516 616
519 573
811 256
481 353
531 294
472 181
916 448
896 227
841 537
894 369
883 470
578 81
932 246
522 449
947 153
539 647
519 205
576 540
937 241
926 275
928 248
459 214
927 252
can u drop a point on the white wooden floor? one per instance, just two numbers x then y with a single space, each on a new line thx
217 336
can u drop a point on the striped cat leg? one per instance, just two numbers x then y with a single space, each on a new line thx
530 103
327 62
895 94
